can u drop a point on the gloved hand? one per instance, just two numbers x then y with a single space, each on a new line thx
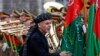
64 53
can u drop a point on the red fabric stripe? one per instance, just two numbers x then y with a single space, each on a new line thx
92 1
6 36
12 39
16 41
73 10
96 27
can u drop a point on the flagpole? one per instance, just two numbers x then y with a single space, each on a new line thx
85 12
10 39
14 43
4 37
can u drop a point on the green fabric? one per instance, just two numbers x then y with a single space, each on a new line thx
92 44
72 39
15 48
18 48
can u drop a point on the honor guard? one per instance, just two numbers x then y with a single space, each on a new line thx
4 17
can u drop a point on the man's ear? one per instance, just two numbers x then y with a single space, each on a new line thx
39 25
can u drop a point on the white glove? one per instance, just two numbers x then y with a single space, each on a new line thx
4 46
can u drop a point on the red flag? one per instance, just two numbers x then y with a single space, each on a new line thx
74 7
6 36
16 41
92 1
97 20
71 40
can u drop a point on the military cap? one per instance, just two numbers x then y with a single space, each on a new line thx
3 15
15 14
26 14
42 17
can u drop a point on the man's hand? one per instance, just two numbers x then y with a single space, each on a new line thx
64 53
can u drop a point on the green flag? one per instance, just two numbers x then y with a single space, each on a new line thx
72 39
93 34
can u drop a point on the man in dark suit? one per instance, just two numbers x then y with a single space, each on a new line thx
36 44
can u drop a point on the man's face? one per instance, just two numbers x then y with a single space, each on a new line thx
4 18
28 22
24 18
44 26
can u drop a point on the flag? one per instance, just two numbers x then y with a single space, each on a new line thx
7 39
12 42
72 39
93 34
17 43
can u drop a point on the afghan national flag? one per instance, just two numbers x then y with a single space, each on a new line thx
72 39
12 41
93 34
17 43
8 39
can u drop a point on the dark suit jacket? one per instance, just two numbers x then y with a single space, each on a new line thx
37 44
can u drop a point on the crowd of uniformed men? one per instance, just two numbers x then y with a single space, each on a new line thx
17 24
